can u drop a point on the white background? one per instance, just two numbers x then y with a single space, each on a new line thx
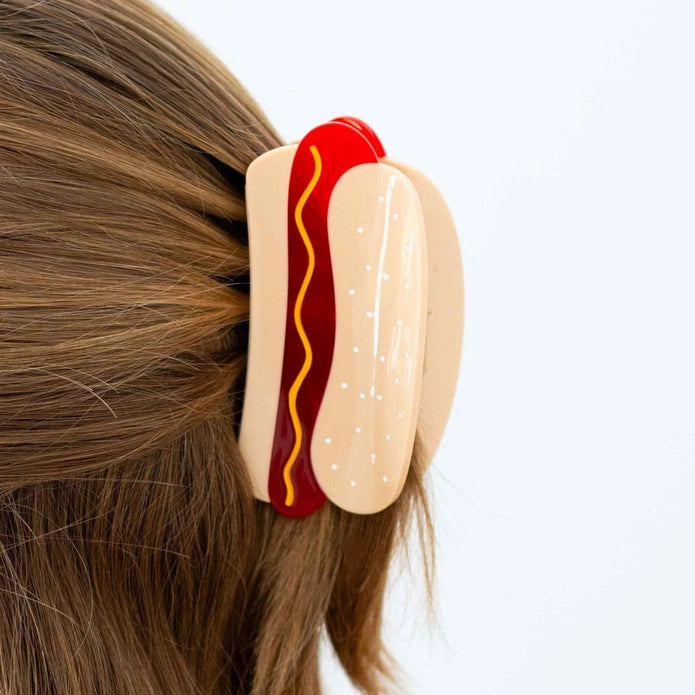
561 133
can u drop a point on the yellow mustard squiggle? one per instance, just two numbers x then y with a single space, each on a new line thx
308 356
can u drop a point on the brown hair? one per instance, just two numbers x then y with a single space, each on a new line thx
133 556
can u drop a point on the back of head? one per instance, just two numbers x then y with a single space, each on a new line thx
133 556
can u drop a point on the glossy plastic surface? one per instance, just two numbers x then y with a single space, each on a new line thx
338 354
366 130
364 434
322 157
445 310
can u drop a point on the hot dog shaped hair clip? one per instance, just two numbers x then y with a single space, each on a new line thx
356 321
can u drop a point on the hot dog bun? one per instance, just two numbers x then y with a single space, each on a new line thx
267 193
366 425
359 398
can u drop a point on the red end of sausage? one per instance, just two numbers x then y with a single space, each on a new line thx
366 130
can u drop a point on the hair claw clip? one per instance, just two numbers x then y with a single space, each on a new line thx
356 321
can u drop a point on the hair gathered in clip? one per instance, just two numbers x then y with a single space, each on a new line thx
339 315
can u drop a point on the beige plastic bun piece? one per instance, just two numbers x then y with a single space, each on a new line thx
445 310
399 320
364 434
267 197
